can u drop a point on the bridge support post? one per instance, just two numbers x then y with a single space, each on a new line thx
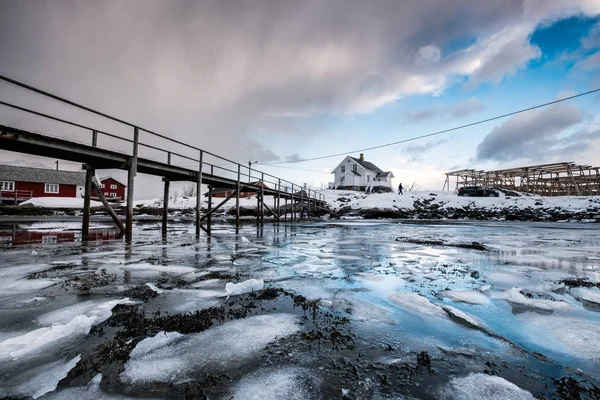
165 213
85 227
199 195
292 216
237 200
258 201
285 209
262 198
130 183
209 217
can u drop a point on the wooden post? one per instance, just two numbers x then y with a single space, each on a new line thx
293 205
301 203
108 208
165 214
94 139
199 194
262 198
285 207
237 199
278 204
130 182
85 227
258 200
209 218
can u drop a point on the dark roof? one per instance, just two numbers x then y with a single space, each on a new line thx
355 173
382 174
367 165
41 175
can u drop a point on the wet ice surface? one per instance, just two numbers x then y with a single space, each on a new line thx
412 319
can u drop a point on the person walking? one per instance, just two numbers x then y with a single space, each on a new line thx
400 188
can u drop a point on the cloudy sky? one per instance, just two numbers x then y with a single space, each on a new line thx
274 81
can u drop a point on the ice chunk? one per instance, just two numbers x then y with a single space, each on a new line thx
245 239
34 253
173 357
466 296
514 296
287 383
416 303
589 295
485 288
248 286
154 288
90 391
68 322
41 380
476 386
464 317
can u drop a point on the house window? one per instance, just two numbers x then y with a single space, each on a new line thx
105 194
113 195
368 178
342 179
7 186
51 188
102 186
113 186
355 168
343 169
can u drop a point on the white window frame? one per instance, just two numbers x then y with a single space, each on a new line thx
355 168
102 186
113 195
343 169
368 178
113 186
7 186
49 188
105 194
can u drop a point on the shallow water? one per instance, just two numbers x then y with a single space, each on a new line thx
371 309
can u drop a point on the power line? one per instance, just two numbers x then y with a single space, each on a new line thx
439 132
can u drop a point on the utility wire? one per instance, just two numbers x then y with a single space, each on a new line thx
440 132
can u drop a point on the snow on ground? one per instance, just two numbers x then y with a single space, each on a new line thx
173 357
466 296
60 202
360 200
416 303
477 386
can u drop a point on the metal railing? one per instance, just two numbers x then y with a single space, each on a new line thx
175 155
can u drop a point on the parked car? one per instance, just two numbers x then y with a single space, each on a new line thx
477 191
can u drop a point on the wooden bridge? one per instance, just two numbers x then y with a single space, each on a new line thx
152 154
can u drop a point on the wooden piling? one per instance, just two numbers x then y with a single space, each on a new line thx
165 213
130 183
199 194
237 199
85 226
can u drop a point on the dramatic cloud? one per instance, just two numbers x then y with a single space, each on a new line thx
415 152
457 110
536 135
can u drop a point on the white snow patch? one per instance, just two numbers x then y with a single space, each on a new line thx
154 288
469 319
477 386
416 303
248 286
466 296
171 357
60 202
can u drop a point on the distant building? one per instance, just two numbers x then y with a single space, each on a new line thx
222 193
112 188
358 174
18 184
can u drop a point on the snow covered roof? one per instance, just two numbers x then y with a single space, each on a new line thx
367 165
41 175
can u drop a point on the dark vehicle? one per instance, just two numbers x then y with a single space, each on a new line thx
477 191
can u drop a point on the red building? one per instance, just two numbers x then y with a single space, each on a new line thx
18 184
226 192
112 188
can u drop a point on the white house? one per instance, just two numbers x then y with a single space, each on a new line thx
358 174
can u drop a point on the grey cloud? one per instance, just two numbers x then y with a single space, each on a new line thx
293 157
457 110
592 39
535 135
415 152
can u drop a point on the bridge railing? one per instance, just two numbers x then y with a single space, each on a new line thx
152 145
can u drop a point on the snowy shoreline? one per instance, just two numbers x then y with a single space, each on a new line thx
425 205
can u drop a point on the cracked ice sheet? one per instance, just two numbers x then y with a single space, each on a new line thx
173 357
67 323
287 383
476 386
90 391
39 380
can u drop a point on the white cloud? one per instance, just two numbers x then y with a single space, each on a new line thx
427 55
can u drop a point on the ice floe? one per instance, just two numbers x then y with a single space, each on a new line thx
515 297
39 380
591 295
416 303
466 296
476 386
287 383
464 318
172 357
251 285
66 323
